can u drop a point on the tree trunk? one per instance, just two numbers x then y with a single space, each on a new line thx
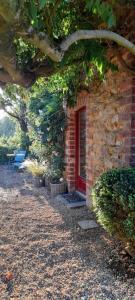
25 141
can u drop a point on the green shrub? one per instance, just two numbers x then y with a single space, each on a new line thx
48 133
114 204
8 145
4 150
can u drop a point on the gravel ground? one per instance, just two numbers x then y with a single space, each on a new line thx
49 256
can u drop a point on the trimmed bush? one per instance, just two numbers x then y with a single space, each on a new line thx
114 204
4 150
8 145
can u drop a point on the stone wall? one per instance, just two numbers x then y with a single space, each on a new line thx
110 129
110 113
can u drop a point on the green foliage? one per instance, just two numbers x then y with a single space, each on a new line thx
24 52
35 11
14 101
50 117
85 60
7 146
24 140
10 138
72 75
36 148
103 10
57 166
48 122
114 203
42 3
4 150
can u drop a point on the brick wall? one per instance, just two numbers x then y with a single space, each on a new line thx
132 141
70 151
110 121
71 142
110 129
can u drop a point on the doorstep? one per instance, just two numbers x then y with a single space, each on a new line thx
76 204
81 195
88 224
74 200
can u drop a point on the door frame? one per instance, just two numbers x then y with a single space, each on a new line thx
80 183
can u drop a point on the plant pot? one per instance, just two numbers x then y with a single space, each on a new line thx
38 181
58 188
47 182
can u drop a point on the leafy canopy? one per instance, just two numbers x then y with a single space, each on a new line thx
85 60
42 38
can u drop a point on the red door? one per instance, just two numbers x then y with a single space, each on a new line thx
81 150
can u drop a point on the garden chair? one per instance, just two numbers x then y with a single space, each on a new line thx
20 151
19 159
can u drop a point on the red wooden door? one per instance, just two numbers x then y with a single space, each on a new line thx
81 150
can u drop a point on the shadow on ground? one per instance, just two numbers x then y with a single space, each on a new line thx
49 255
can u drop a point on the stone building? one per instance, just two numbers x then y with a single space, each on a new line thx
101 132
101 127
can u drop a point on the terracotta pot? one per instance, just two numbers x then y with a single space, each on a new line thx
58 188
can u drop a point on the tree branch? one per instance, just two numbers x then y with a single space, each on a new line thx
11 114
3 106
28 78
24 79
42 42
97 34
21 121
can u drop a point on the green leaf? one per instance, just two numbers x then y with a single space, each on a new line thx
33 13
42 3
33 9
89 4
103 10
111 21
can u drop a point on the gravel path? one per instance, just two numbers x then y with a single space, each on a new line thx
49 255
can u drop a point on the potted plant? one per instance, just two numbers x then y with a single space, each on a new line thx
57 183
37 169
56 172
47 181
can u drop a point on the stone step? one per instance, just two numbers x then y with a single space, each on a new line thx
88 224
75 204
